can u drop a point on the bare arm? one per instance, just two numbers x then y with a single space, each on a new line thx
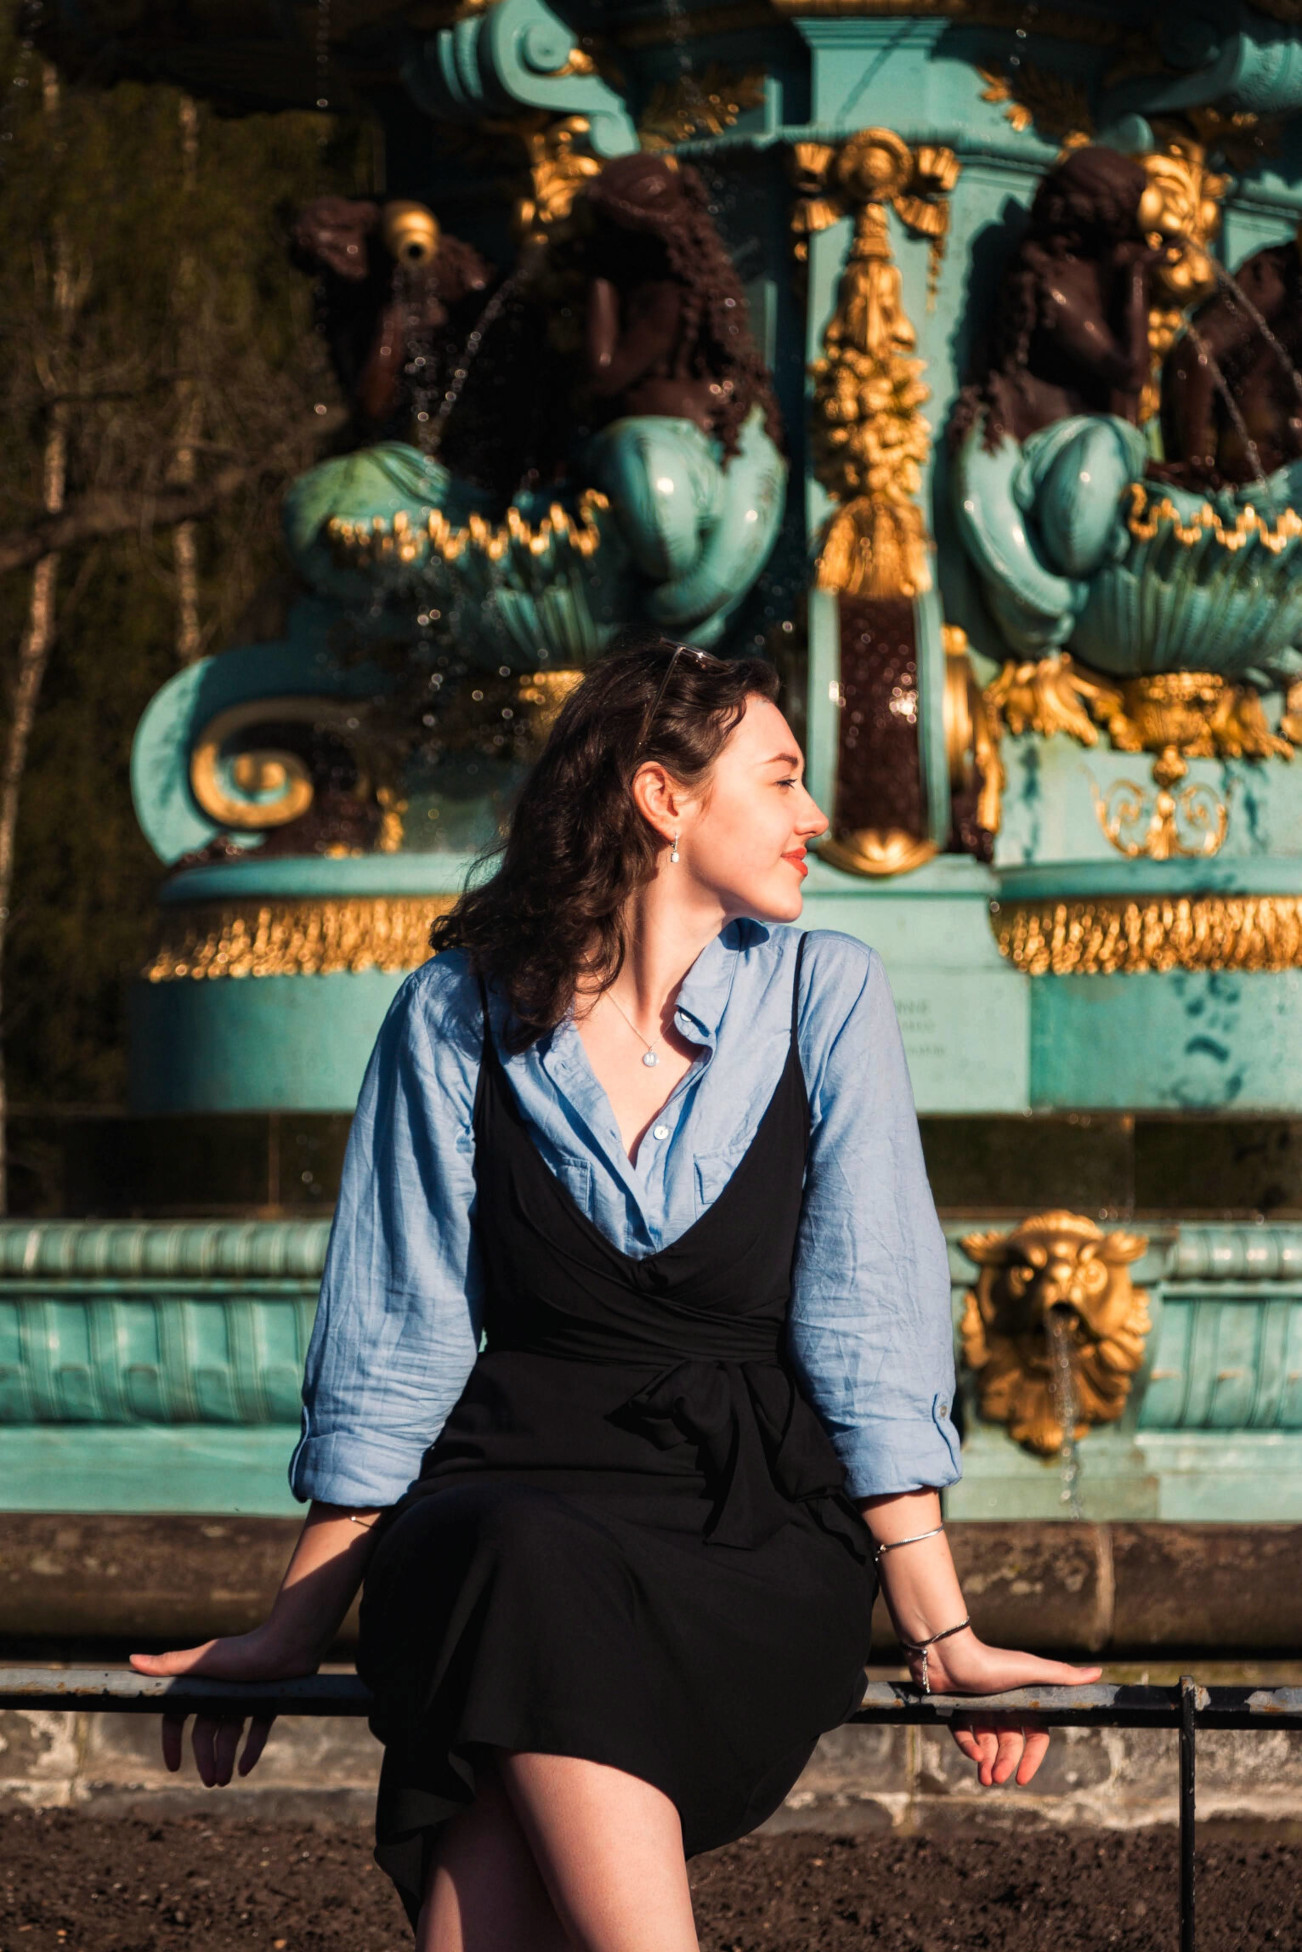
623 350
924 1597
324 1572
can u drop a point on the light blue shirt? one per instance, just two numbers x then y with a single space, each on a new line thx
398 1326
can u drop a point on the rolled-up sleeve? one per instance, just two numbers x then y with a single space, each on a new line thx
870 1324
397 1324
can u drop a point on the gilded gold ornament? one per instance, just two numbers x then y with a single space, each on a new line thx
541 695
877 851
871 442
294 938
276 785
1059 1266
1049 695
1180 715
1176 715
1191 824
559 166
703 103
1056 107
362 545
971 735
410 232
1114 935
1146 515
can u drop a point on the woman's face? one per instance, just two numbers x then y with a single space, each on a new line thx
744 839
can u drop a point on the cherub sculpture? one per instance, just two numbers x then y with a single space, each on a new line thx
484 496
1071 329
688 451
1231 387
1057 404
397 298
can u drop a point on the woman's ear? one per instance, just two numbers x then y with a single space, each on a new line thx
659 798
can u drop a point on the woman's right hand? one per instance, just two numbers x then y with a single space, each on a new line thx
324 1572
262 1655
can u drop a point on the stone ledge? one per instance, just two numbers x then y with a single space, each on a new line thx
71 1581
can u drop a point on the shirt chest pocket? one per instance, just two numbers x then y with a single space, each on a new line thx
713 1170
575 1174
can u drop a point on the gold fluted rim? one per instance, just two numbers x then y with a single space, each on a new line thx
1113 935
324 937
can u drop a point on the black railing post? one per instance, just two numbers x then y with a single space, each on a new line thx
1188 1757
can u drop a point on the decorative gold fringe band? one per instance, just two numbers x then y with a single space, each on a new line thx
295 938
1111 936
1146 516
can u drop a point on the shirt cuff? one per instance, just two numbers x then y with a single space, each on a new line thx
894 1454
340 1470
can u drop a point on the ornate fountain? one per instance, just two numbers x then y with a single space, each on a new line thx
946 350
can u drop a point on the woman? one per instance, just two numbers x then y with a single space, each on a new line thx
660 1147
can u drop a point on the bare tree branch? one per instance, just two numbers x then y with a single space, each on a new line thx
107 512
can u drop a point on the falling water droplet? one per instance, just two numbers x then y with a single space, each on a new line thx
1066 1405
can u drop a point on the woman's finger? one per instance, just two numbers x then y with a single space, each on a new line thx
1054 1674
181 1660
1037 1747
225 1745
173 1740
259 1730
985 1746
202 1739
1009 1744
967 1742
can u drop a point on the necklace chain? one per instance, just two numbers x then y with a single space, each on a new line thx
650 1057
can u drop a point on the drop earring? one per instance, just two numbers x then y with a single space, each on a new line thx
673 852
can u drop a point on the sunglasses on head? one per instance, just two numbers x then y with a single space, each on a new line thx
700 658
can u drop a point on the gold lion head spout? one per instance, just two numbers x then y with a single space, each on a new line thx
1060 1269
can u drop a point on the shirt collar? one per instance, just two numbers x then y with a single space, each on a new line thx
702 997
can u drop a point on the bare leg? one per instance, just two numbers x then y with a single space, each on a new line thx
610 1849
484 1892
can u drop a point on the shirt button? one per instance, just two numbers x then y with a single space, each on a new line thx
660 1132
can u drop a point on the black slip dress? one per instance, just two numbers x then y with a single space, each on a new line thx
631 1541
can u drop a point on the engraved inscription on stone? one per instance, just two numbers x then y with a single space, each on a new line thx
918 1026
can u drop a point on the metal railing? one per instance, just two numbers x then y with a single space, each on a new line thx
1186 1707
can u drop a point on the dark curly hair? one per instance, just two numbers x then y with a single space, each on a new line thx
577 847
717 337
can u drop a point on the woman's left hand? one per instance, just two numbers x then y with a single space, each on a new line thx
1003 1747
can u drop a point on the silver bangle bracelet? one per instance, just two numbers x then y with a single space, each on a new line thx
891 1544
922 1646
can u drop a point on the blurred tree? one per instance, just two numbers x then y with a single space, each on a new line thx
163 382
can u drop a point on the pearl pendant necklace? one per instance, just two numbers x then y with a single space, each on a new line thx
648 1056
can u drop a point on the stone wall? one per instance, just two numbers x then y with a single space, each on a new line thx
859 1779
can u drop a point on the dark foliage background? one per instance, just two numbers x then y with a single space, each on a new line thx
147 296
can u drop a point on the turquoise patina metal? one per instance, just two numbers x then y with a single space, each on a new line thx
157 1368
1213 1424
666 528
1191 582
1046 679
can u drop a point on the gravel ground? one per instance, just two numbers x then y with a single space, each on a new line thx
76 1883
